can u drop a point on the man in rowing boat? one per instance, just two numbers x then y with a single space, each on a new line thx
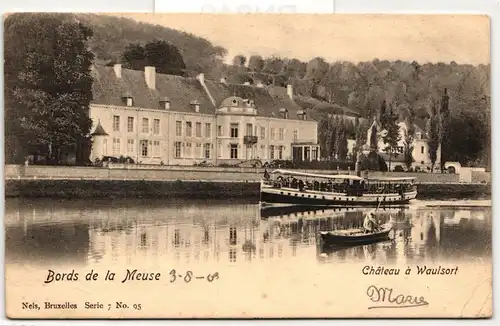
370 225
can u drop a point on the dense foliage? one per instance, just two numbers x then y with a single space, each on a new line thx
113 34
160 54
409 88
48 87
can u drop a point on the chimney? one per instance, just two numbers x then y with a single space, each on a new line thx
118 70
165 103
150 76
196 105
289 91
201 78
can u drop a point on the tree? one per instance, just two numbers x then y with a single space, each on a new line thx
392 136
384 116
239 60
273 65
134 57
374 138
434 132
294 68
256 63
244 78
341 140
315 71
48 85
409 137
165 57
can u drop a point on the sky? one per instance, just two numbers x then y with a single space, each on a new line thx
424 38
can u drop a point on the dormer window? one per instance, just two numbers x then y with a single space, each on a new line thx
196 105
128 99
301 114
418 135
284 113
165 103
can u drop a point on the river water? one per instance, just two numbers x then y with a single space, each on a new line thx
229 237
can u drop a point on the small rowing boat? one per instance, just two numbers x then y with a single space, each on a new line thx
352 237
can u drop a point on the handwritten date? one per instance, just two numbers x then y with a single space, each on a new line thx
189 276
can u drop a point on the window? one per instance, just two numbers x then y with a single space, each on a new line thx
189 128
249 129
199 150
156 126
130 101
116 123
145 125
422 149
219 131
315 153
234 130
130 124
295 135
262 133
144 148
234 151
280 152
219 150
187 152
116 146
271 152
273 134
178 128
207 150
208 130
156 148
282 134
177 149
198 129
130 146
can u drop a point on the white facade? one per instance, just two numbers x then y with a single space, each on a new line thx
420 147
169 135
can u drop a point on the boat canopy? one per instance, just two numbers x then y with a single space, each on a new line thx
389 179
314 175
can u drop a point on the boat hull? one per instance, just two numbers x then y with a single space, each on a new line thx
296 197
330 238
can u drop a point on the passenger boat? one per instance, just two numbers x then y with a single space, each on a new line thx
353 237
300 188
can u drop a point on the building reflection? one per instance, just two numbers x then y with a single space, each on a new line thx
187 233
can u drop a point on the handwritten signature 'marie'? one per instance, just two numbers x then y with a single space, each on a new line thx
393 300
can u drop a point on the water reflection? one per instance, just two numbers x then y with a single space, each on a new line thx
110 232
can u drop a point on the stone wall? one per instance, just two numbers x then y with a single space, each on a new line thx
156 172
129 189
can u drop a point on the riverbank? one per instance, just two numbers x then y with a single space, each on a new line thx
86 188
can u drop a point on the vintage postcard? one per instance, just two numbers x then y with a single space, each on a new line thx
247 165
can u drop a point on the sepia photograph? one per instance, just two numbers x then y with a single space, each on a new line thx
247 166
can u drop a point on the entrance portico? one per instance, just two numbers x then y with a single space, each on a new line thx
305 151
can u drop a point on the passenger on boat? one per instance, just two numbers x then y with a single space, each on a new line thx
301 185
370 224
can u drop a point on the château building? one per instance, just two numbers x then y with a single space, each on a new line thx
420 152
163 119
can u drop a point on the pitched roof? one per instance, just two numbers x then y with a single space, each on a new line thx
267 104
307 102
108 89
99 130
421 125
